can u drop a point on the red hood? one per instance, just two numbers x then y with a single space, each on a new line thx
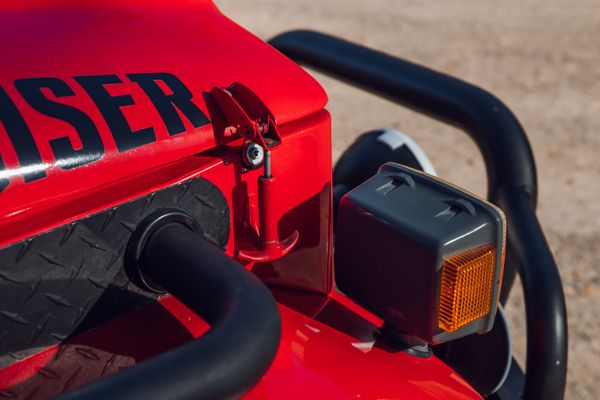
103 43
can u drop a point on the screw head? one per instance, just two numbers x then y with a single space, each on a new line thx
254 155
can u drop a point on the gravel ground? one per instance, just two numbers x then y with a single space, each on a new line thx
542 57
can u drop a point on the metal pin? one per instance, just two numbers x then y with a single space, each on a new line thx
267 173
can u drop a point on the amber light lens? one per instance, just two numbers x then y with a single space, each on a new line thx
466 288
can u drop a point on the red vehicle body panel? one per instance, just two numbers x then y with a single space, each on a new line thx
326 349
315 361
69 39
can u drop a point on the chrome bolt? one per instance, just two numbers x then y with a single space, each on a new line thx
254 154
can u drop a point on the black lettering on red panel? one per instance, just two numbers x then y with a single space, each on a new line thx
110 107
29 157
168 104
3 177
66 155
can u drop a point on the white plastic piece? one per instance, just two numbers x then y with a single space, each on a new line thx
501 314
395 139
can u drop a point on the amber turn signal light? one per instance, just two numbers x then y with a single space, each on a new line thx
466 287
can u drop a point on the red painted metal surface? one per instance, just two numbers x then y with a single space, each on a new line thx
63 39
270 248
326 351
333 355
302 203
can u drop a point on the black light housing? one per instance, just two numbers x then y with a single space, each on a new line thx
420 253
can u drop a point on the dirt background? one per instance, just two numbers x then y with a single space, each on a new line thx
541 57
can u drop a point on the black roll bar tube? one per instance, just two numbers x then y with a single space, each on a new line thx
510 169
245 323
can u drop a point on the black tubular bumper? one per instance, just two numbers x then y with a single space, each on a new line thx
229 359
511 176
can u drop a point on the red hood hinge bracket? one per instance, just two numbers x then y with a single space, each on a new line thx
246 115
